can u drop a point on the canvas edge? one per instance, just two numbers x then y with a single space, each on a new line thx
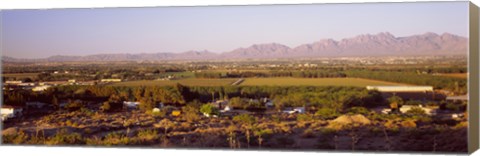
473 79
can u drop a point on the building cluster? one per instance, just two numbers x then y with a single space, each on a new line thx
419 93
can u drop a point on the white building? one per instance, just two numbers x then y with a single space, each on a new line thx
111 80
131 104
428 111
40 88
8 112
299 110
401 88
226 109
457 98
13 82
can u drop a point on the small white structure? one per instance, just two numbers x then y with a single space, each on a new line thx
458 98
111 80
207 115
386 111
401 88
13 82
35 104
456 116
269 104
226 109
155 110
131 104
8 112
161 105
299 110
40 88
428 111
72 81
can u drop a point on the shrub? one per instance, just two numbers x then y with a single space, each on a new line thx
63 137
327 113
304 117
115 138
462 125
358 110
452 107
391 125
74 106
276 118
190 113
408 124
327 131
17 138
68 123
147 135
416 111
245 119
209 109
86 111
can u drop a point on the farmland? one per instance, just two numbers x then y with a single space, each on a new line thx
22 75
286 81
277 81
455 75
273 105
187 82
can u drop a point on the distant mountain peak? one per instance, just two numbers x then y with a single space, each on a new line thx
380 44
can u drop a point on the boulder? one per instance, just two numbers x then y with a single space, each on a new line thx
10 131
349 120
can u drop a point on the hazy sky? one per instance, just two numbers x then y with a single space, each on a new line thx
43 33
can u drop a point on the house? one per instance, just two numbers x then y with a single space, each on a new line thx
226 109
35 104
40 88
294 110
408 92
428 111
111 80
220 103
386 111
131 104
457 98
8 112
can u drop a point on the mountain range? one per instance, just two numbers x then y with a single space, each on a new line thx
381 44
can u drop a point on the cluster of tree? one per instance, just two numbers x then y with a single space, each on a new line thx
209 75
428 70
299 74
248 104
15 98
339 98
273 73
456 85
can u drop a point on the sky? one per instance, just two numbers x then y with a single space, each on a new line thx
79 32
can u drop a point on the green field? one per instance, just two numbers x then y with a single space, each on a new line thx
21 75
456 75
287 81
187 82
281 81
